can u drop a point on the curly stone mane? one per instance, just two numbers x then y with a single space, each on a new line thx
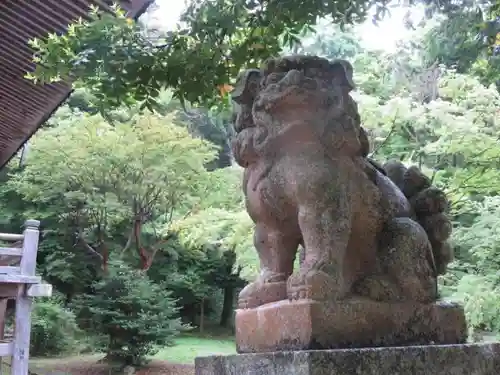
323 84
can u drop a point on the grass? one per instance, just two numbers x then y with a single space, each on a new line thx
187 348
47 362
190 347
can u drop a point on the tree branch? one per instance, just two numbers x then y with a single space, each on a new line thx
89 248
391 132
140 250
129 242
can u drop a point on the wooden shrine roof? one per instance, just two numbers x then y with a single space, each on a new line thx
24 107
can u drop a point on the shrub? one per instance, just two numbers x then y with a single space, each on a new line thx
53 329
481 299
135 314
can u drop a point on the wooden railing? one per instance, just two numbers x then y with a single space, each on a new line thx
18 281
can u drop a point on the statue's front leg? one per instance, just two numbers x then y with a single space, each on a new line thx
325 223
276 250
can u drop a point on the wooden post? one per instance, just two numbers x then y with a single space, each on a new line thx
23 302
3 313
3 317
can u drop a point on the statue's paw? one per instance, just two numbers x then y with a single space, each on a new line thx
315 285
429 201
297 292
296 286
260 293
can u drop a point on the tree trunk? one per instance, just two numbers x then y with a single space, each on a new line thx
227 307
68 298
105 257
202 315
145 256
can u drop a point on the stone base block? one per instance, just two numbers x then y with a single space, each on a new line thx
355 323
411 360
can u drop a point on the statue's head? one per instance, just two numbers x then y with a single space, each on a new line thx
296 88
304 88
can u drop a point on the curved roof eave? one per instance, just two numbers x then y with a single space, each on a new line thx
24 107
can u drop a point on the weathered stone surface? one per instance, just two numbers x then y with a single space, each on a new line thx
481 359
369 232
351 323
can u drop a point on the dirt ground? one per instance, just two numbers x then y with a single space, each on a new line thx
90 367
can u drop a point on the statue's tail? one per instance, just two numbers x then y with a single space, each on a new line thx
429 206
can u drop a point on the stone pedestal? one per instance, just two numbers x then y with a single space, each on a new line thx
411 360
352 323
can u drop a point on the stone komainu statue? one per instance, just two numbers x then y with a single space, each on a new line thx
372 234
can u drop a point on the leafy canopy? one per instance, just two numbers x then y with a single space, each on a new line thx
152 163
104 177
120 63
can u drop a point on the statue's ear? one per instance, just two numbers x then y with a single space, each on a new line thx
247 86
343 73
